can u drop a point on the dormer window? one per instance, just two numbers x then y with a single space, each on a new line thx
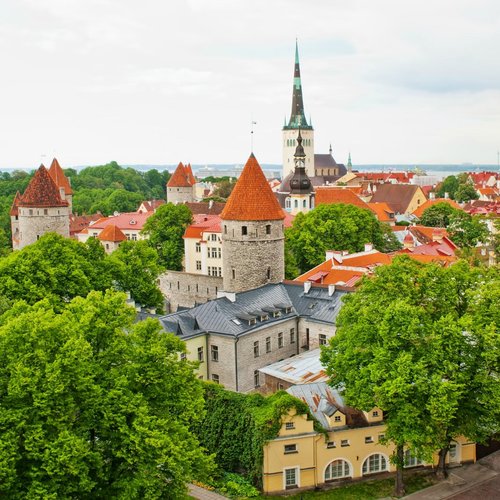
264 317
337 418
252 321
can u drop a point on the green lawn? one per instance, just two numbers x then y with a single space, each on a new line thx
369 490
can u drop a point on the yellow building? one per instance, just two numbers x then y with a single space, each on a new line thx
301 457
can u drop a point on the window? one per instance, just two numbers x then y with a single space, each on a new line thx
198 247
322 339
304 203
208 252
225 229
338 418
233 272
280 387
268 344
45 211
375 414
213 237
256 378
380 437
244 230
198 265
368 439
209 270
452 452
291 477
411 460
331 444
288 203
215 378
337 469
134 237
30 211
256 349
219 253
268 228
220 271
214 253
374 463
289 426
344 443
290 448
268 273
292 335
183 356
296 203
215 353
280 340
200 354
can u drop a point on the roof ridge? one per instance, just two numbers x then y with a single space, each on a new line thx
42 191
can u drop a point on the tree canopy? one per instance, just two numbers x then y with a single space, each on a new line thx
95 406
438 215
338 227
458 187
165 229
421 343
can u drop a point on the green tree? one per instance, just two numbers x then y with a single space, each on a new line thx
94 406
139 271
466 192
165 229
224 188
448 186
438 215
467 230
339 227
412 343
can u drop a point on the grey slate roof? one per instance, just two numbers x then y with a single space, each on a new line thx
225 317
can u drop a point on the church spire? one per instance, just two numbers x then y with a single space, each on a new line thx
297 117
349 163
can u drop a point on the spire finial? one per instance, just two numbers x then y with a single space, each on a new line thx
330 150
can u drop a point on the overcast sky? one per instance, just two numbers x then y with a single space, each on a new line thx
163 81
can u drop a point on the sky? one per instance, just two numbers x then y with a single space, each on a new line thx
163 81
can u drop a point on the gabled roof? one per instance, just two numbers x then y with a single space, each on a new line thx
190 175
398 196
126 221
205 207
429 203
42 192
77 223
383 211
180 177
14 210
111 233
252 198
60 180
329 195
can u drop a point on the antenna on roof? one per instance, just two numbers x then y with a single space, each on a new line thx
251 135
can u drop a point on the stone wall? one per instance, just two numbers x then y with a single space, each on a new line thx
187 290
178 195
252 259
315 330
35 222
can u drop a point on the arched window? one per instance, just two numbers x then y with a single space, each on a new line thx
337 469
288 203
374 463
304 203
411 460
296 203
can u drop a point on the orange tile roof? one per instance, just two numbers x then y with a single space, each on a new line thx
111 233
363 259
190 175
422 208
180 178
382 210
330 195
78 222
252 198
14 210
42 192
57 174
424 233
126 221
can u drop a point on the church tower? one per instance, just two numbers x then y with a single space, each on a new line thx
297 121
252 233
301 190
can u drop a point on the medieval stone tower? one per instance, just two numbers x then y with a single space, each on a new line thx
297 121
252 233
180 187
41 209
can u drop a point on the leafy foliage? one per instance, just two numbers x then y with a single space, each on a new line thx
467 230
250 421
458 187
94 406
438 215
339 227
165 229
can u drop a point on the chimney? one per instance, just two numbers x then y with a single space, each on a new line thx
307 286
437 234
331 290
368 247
432 195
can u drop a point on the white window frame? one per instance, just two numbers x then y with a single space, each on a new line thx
367 460
349 465
296 468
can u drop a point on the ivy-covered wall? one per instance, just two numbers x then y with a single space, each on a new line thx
236 427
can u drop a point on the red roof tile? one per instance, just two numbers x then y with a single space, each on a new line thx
383 211
331 195
15 204
78 222
111 233
252 198
180 178
57 174
190 175
126 221
42 192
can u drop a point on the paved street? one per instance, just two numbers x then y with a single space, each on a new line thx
202 494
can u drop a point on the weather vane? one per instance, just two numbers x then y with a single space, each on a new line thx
251 135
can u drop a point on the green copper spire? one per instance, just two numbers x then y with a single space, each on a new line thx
349 163
297 116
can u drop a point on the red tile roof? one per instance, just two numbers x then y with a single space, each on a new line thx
77 223
383 211
14 210
111 233
203 223
422 208
205 207
398 196
126 221
330 195
57 174
252 198
42 192
180 178
191 177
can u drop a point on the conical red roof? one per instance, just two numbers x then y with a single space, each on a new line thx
252 198
111 233
42 192
180 178
15 204
191 177
57 174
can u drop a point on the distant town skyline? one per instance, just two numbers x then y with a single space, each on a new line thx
158 83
